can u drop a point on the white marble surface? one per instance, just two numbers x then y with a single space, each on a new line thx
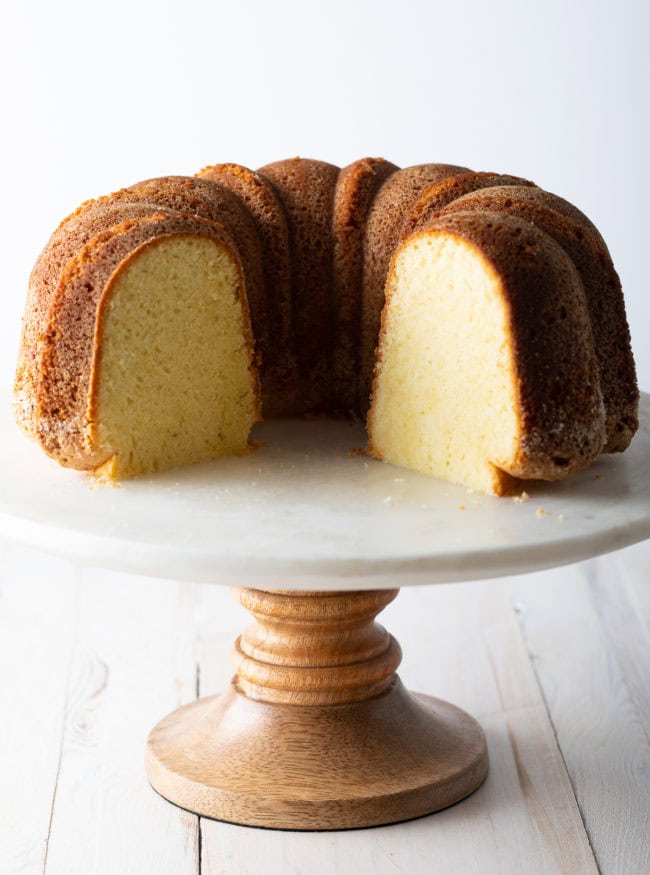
553 664
305 512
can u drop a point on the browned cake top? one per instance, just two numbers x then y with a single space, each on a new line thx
603 295
279 371
438 195
306 190
356 187
559 393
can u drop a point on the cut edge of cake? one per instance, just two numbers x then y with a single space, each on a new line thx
476 338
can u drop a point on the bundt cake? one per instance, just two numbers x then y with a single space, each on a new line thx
474 320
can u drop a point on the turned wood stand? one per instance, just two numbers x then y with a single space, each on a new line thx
316 730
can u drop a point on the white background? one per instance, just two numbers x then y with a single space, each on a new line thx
98 95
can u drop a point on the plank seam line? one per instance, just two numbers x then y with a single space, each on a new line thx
594 583
64 720
505 712
531 660
199 820
199 833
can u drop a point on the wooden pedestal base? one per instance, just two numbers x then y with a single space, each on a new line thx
316 730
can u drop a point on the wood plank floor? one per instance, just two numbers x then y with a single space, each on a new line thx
556 666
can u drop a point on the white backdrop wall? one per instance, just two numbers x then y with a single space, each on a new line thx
96 96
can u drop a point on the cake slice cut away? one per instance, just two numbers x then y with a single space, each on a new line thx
486 370
173 370
159 371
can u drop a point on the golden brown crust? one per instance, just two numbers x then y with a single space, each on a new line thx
562 206
306 190
183 194
616 370
560 404
279 379
356 187
73 233
382 232
438 195
64 413
314 246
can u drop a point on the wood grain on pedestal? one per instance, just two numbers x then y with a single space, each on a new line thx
315 648
316 731
464 644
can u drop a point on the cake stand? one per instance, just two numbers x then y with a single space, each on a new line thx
316 730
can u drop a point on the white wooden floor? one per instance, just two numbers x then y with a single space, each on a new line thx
556 666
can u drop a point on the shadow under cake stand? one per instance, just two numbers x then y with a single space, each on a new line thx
316 730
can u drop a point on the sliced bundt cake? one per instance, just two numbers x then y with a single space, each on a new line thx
162 320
